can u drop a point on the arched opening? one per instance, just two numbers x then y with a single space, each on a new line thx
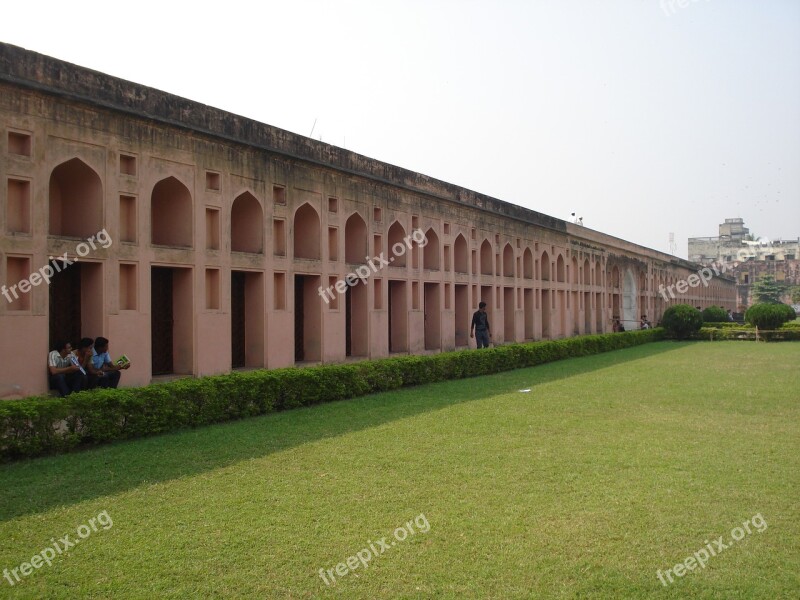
398 247
587 297
306 233
76 200
460 253
487 262
574 300
355 240
599 306
545 266
630 311
508 261
247 224
430 253
527 264
612 281
560 269
171 214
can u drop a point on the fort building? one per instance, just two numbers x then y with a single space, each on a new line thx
199 241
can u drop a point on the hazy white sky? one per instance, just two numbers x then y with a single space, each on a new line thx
644 116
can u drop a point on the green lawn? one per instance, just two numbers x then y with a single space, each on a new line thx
611 468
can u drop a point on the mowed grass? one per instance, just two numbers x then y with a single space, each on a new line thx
611 468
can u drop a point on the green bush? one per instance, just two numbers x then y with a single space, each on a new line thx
747 334
715 314
791 315
769 316
35 426
681 321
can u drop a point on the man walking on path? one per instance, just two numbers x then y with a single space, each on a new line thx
480 326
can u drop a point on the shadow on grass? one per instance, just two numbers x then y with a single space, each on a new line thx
40 484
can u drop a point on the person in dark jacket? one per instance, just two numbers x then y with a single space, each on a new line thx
480 328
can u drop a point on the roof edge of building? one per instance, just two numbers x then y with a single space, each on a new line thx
42 73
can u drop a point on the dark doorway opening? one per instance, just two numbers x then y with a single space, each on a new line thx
398 317
462 316
238 330
65 305
307 318
161 320
299 322
356 320
433 316
348 322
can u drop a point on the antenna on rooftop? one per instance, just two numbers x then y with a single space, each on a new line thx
312 127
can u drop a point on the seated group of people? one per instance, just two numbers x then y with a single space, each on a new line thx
87 367
618 327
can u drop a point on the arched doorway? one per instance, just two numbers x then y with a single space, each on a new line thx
630 301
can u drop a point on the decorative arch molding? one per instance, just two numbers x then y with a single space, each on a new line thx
247 224
306 232
75 200
171 214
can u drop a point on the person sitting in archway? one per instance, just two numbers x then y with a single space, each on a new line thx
65 373
106 371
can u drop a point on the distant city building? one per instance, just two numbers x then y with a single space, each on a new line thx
749 259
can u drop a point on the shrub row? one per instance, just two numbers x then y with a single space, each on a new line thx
787 334
36 426
729 325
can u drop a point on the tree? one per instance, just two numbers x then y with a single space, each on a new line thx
796 294
767 290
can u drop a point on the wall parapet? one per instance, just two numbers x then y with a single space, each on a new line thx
25 68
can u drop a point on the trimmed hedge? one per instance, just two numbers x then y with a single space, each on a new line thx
711 334
769 316
36 426
681 321
730 325
727 325
714 314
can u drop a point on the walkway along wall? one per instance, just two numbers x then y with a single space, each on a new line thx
199 241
